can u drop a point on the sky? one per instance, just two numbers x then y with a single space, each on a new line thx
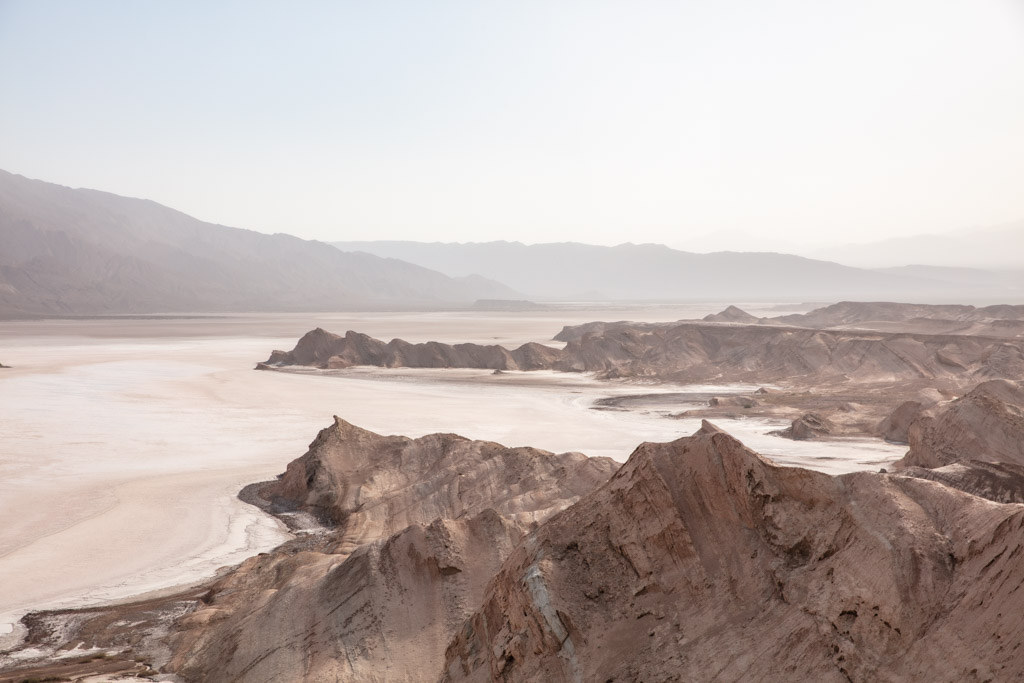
727 122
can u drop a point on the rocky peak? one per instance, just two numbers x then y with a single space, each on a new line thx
374 485
700 559
986 424
732 314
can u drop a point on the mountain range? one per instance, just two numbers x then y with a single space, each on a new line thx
996 248
67 251
653 272
70 251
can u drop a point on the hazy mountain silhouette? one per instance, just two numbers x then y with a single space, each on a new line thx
76 251
998 247
572 271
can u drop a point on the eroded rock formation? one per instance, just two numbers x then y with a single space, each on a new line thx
849 312
700 560
695 352
731 314
985 424
456 560
896 426
416 528
807 426
994 321
324 349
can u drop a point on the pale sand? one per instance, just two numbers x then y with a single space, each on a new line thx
125 442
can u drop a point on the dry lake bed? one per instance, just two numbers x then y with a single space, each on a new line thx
125 441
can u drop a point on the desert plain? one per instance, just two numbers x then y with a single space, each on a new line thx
127 440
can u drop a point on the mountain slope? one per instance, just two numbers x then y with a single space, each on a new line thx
655 272
415 529
68 251
700 561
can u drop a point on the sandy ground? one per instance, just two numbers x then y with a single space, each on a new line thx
125 442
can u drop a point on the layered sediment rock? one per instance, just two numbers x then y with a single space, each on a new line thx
986 424
1001 482
808 426
456 560
324 349
994 321
731 314
700 560
896 426
695 352
701 352
369 486
850 312
416 528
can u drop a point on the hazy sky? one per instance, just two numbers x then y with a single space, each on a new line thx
602 122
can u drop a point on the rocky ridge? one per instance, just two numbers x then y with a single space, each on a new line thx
985 424
808 426
694 352
1002 320
456 560
849 312
324 349
415 529
701 560
731 314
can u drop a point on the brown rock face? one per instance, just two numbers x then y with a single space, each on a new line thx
702 352
699 560
737 401
809 426
852 312
370 486
985 424
1002 482
695 352
417 528
324 349
896 426
732 314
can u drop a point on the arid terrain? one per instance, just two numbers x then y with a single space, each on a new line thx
442 557
105 416
511 342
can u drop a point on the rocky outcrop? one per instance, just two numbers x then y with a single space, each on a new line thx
697 560
700 560
370 486
731 314
695 352
323 349
994 321
701 352
849 312
1001 482
896 426
732 401
808 426
576 332
415 529
986 424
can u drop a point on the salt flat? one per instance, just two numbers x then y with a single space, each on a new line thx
126 441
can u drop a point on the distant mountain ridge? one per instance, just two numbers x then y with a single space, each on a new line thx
654 272
998 247
67 251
